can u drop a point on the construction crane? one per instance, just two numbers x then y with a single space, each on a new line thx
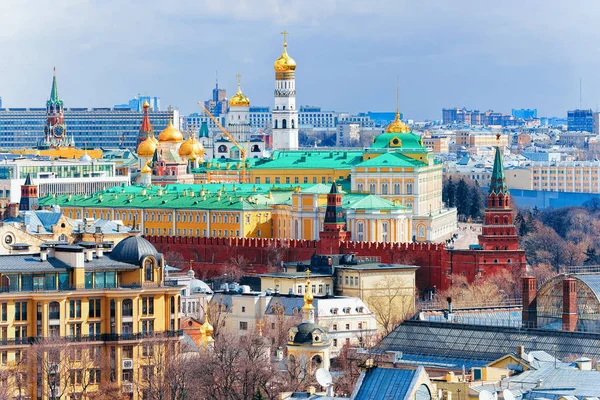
235 143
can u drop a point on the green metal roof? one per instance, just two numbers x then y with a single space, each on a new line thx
396 160
410 141
498 182
179 196
341 159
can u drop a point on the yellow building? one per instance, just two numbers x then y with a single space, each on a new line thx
228 210
87 317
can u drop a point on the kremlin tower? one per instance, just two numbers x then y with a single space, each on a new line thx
334 225
55 130
285 114
29 195
146 128
498 231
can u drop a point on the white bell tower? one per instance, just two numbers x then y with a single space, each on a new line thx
285 114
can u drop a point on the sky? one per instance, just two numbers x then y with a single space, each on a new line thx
478 54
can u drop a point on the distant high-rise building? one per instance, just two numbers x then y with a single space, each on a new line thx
217 105
524 113
580 120
137 104
0 101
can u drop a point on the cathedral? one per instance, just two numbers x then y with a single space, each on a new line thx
168 159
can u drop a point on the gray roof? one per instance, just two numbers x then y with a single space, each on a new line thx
27 263
132 249
456 344
591 280
376 266
294 275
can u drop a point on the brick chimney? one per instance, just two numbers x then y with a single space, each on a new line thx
529 315
569 315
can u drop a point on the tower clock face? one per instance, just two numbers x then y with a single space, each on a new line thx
59 130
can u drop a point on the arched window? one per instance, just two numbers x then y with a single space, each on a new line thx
423 393
316 362
222 149
396 188
360 187
505 220
283 123
255 148
360 231
149 269
293 124
384 188
127 310
495 220
275 127
54 310
372 188
496 261
409 188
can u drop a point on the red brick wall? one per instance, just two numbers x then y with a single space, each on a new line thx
208 255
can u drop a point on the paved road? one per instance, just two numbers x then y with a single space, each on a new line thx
467 235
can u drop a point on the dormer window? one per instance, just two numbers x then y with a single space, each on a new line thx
347 310
149 269
334 311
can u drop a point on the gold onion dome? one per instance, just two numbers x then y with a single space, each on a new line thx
170 134
147 147
308 296
238 99
284 63
397 126
146 104
191 148
146 169
206 329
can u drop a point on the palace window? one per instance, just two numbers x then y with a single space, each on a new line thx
384 188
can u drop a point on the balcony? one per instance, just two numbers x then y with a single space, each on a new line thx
104 337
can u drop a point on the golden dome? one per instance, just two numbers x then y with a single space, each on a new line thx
170 134
146 169
191 148
284 63
239 100
308 296
206 329
146 104
147 147
397 126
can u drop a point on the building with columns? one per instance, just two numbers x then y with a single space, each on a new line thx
285 114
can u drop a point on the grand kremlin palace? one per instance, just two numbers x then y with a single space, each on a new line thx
392 190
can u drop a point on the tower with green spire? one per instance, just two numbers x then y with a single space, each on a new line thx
498 231
55 130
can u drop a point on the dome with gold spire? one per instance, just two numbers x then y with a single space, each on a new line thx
397 126
170 134
238 99
191 148
284 63
147 147
146 169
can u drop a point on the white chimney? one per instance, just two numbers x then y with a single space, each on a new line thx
99 252
43 255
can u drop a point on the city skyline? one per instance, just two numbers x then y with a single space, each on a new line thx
349 54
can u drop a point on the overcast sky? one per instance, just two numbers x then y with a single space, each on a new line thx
479 54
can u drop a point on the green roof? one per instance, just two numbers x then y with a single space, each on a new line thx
368 202
179 196
498 181
341 159
410 141
392 160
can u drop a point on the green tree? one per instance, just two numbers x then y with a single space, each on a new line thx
476 202
463 201
450 193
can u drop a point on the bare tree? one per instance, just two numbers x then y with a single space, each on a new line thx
234 268
391 302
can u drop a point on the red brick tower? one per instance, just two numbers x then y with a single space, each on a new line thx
498 231
29 195
334 226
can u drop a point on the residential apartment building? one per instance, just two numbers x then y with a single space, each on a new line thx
348 319
580 120
566 176
91 314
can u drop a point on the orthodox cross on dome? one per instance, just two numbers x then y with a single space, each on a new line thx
239 76
285 33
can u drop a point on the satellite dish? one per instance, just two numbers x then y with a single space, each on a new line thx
508 395
485 395
324 377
